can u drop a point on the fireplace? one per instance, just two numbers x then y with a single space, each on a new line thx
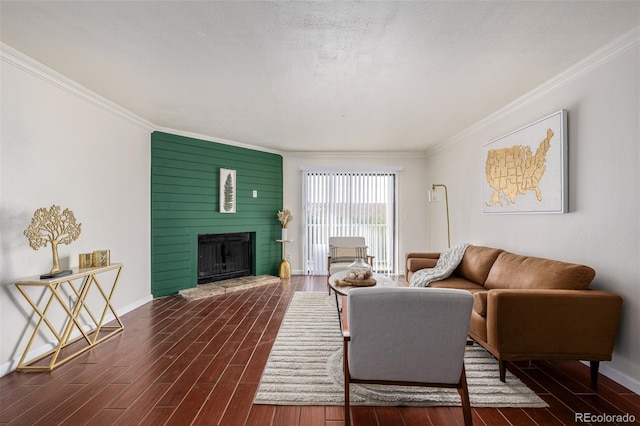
224 256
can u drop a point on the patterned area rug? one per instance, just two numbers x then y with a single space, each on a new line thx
305 368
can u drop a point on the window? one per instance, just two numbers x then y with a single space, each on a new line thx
349 204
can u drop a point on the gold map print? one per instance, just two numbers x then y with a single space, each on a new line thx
514 171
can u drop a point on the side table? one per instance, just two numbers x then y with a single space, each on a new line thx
70 293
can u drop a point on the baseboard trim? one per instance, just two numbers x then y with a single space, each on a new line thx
618 377
11 365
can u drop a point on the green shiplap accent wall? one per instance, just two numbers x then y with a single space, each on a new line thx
185 174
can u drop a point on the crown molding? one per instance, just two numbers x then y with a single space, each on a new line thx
29 65
594 60
217 140
365 154
14 57
351 169
23 62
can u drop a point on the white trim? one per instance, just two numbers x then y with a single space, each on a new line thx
216 140
594 60
11 365
135 305
12 56
618 377
361 169
361 154
25 63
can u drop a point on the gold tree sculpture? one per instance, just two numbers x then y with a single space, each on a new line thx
52 227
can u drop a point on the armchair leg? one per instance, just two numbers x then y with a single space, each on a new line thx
347 408
464 397
345 368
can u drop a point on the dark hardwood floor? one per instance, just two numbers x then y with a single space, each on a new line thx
199 363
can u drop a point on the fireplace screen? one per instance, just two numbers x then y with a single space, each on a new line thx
224 256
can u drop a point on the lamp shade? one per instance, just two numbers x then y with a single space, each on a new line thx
433 194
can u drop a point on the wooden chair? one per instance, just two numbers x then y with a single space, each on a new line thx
408 337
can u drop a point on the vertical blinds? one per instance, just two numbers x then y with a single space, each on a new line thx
345 204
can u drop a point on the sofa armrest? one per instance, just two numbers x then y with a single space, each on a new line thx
416 261
581 323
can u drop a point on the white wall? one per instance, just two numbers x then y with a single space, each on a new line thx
602 229
412 220
58 147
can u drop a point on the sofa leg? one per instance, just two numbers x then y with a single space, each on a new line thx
503 370
595 366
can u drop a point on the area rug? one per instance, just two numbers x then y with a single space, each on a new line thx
305 368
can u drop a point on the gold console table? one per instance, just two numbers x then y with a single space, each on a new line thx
70 293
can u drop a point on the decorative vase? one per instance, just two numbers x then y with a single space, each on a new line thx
85 260
284 234
359 270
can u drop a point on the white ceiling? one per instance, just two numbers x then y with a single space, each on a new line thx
314 76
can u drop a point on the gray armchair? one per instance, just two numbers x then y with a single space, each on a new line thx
406 336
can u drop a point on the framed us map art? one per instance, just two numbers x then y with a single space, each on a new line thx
526 171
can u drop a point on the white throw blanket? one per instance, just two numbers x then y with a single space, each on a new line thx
446 264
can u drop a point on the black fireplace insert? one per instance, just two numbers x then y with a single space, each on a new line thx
224 256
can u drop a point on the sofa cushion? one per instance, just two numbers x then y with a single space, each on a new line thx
478 327
480 303
476 263
458 283
514 271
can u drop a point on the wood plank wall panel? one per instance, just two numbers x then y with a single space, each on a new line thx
185 202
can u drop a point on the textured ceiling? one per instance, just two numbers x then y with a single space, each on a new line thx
313 76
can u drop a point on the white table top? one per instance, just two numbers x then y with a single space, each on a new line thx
381 281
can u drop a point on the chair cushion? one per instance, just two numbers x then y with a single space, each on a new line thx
408 334
346 254
347 241
339 267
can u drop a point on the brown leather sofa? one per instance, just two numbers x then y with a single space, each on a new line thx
529 308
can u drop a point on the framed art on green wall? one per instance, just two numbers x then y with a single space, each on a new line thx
227 191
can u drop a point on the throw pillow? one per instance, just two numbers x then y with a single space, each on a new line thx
347 254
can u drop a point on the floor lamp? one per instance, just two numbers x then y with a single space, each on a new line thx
434 196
